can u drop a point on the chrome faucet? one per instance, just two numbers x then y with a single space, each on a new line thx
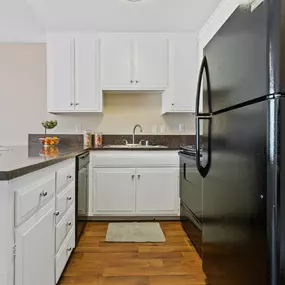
134 131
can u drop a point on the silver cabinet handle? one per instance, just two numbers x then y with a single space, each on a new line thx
137 81
69 223
69 198
56 213
132 81
139 176
69 176
69 249
76 104
71 104
133 176
44 193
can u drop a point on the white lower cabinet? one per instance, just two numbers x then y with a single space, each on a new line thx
64 227
114 190
135 191
35 243
156 190
64 254
44 226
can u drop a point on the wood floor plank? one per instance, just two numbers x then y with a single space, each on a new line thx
124 281
95 262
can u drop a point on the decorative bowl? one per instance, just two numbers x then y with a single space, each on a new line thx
49 141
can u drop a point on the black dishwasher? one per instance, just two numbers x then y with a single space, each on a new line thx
82 192
191 213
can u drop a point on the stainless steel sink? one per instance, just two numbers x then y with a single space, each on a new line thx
5 149
134 146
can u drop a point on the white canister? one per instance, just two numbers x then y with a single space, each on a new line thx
98 139
87 138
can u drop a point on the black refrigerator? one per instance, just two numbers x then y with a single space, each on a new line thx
242 80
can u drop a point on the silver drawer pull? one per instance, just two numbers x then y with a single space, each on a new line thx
69 223
69 249
69 198
69 176
44 193
56 213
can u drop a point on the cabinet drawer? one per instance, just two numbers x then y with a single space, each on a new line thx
64 227
33 197
64 201
64 254
64 177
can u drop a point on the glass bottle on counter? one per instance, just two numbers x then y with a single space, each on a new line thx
87 138
98 139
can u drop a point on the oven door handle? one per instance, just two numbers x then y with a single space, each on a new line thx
185 176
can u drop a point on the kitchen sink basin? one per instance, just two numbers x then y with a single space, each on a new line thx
5 149
134 146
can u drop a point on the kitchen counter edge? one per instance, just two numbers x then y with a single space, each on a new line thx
15 173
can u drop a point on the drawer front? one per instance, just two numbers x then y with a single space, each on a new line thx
64 254
33 197
64 201
64 177
135 159
64 227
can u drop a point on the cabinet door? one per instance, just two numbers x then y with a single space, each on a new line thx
88 94
157 190
183 75
35 246
60 73
114 190
151 62
116 63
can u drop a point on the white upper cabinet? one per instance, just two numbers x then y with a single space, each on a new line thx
88 94
151 62
183 72
73 76
60 73
116 59
134 62
80 67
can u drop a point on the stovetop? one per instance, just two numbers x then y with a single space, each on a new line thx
190 150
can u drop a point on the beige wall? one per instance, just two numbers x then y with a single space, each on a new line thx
23 102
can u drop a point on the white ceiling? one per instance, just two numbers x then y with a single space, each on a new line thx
18 23
123 16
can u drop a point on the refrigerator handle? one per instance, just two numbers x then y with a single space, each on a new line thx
203 170
204 66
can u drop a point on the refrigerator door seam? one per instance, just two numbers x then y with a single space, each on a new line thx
243 104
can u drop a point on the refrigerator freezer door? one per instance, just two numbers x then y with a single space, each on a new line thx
276 42
234 199
237 60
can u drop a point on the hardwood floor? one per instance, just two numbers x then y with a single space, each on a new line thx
95 262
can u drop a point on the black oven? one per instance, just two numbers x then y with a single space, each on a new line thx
191 212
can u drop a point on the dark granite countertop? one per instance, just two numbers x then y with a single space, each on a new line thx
21 160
